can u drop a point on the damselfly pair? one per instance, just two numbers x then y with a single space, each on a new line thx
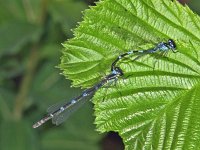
59 114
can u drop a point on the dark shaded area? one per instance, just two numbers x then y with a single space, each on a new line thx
184 1
91 2
112 141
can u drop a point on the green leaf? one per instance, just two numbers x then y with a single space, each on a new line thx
76 134
154 107
11 10
6 97
63 13
194 5
17 34
24 136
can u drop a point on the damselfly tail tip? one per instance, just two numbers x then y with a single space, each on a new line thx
37 124
42 121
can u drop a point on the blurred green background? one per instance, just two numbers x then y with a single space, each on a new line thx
31 33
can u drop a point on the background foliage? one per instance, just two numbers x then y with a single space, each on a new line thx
30 35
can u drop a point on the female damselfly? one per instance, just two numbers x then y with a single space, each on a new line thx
60 114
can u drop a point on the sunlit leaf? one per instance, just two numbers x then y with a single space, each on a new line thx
155 106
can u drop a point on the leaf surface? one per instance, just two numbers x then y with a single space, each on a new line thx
156 105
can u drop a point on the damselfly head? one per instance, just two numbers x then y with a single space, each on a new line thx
172 45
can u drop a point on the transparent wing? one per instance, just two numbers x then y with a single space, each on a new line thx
72 107
56 106
60 104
